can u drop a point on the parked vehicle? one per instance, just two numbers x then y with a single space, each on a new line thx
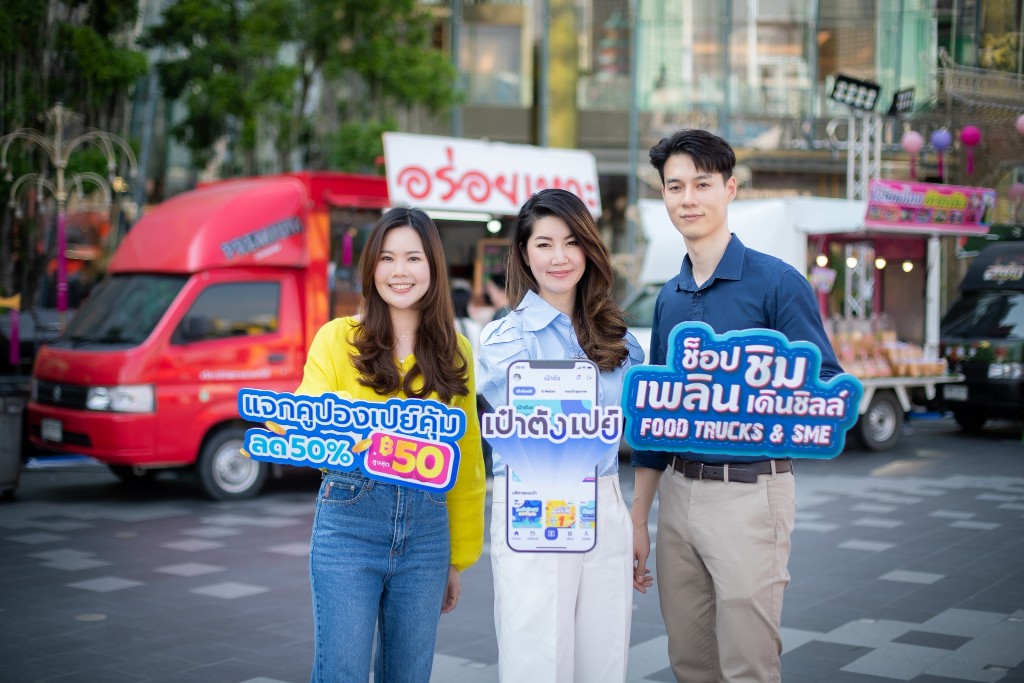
780 227
214 290
982 337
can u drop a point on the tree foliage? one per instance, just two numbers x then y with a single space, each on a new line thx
307 78
80 53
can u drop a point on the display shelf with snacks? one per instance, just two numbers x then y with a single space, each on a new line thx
891 371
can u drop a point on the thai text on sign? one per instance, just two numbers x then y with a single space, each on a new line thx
741 394
432 172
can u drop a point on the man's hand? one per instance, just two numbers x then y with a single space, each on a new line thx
452 591
645 486
642 579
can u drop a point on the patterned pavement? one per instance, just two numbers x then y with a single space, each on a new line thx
907 566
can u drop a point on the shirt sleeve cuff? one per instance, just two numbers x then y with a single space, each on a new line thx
655 460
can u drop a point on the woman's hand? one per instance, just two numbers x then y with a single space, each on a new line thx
452 591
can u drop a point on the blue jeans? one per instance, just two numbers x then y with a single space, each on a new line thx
379 556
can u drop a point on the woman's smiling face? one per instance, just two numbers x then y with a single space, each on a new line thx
402 275
556 260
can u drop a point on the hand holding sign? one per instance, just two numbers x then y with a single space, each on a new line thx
746 393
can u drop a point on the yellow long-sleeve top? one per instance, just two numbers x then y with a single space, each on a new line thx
329 368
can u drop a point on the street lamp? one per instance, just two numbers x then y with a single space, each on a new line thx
59 152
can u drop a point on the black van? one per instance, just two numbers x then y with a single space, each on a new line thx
982 338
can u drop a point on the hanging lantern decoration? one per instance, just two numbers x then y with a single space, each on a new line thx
912 142
941 141
1020 124
970 136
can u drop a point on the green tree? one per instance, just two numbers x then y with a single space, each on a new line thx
81 53
225 69
376 57
320 78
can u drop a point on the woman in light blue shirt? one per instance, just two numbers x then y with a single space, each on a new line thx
561 617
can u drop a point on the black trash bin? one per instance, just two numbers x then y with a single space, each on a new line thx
13 397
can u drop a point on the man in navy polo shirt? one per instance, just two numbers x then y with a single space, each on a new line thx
723 531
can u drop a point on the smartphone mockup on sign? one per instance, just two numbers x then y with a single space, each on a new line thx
548 511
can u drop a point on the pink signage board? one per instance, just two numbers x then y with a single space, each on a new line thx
907 206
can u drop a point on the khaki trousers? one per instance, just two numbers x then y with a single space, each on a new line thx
722 551
565 617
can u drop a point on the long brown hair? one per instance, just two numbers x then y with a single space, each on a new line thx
597 318
439 360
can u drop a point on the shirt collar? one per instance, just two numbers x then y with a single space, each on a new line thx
537 313
730 267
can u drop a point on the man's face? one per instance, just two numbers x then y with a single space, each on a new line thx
696 201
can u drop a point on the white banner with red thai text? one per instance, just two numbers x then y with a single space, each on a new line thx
454 174
909 206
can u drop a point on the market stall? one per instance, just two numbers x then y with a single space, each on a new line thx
890 262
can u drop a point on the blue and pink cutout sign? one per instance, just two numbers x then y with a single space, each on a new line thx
411 442
743 394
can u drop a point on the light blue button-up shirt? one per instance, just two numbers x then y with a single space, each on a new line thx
536 330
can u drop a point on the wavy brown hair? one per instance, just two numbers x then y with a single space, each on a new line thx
440 362
597 318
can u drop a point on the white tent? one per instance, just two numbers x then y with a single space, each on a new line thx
781 227
774 226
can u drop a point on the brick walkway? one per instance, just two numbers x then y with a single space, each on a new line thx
907 565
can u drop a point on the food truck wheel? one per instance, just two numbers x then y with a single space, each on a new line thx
226 474
133 475
880 427
971 423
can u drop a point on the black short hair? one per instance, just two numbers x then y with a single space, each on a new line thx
460 301
710 153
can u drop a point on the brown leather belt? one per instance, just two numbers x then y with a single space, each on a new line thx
745 472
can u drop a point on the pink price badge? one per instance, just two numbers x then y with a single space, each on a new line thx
410 460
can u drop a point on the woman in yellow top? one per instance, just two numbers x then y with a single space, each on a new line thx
381 554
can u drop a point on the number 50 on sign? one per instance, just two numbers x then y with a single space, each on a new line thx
411 461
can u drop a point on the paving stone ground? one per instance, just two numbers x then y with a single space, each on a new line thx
907 566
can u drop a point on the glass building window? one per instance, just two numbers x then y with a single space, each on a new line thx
491 60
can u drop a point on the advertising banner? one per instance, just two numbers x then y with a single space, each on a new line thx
409 442
454 174
746 394
912 207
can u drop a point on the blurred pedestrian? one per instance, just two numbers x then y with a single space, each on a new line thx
386 557
495 299
462 296
561 617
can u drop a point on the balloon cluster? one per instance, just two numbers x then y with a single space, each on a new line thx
941 139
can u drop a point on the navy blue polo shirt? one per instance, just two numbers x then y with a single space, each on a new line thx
748 289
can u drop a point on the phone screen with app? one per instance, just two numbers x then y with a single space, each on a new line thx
545 515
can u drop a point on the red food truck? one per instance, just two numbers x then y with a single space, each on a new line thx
211 291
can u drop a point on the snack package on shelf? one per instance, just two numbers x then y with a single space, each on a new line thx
868 348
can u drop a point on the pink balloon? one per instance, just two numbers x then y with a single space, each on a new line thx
1017 191
970 135
912 142
1020 124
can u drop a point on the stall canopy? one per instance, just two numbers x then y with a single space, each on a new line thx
907 217
919 213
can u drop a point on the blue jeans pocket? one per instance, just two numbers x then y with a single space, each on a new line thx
342 490
438 499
